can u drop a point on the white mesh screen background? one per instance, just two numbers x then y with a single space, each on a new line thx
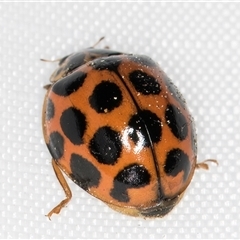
196 44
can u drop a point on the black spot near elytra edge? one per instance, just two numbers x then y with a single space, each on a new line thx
176 122
144 125
110 63
132 176
56 145
143 60
106 145
69 84
50 110
73 124
105 97
144 83
177 161
84 172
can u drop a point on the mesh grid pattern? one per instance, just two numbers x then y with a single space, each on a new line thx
197 45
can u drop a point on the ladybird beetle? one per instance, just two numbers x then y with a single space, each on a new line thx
119 128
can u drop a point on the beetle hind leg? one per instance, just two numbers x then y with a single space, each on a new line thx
65 187
204 164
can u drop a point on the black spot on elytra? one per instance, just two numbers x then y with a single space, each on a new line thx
107 63
69 84
73 124
106 145
144 83
177 122
132 176
143 60
177 161
56 145
145 128
84 172
105 97
50 110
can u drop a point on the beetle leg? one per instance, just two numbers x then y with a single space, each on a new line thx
65 187
204 164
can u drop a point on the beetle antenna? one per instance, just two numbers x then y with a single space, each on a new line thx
47 60
100 39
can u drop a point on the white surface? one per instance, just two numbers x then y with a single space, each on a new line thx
197 45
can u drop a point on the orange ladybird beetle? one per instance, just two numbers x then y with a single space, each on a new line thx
120 129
